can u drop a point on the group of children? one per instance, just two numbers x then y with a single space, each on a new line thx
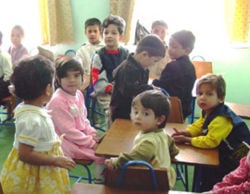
37 163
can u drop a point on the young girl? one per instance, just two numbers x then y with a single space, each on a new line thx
149 111
218 127
17 50
36 163
69 114
237 181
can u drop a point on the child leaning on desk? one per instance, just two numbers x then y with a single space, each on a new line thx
149 111
218 127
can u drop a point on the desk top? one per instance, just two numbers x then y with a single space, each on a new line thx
83 188
120 137
242 110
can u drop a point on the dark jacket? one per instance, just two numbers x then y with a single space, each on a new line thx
130 79
178 78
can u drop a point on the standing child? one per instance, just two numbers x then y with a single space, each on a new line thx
5 72
69 114
108 58
178 76
237 181
149 111
36 163
131 77
218 127
17 50
87 50
159 28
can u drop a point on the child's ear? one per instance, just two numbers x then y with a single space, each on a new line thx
161 119
121 37
48 90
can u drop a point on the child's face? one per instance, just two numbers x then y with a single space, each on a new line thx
111 37
176 50
144 118
16 37
160 30
145 60
93 34
207 98
72 82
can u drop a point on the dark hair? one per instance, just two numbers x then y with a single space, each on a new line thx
152 44
31 77
159 23
156 101
92 22
216 81
185 38
66 63
1 36
115 20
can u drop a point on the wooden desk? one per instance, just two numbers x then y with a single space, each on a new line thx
242 110
83 188
120 137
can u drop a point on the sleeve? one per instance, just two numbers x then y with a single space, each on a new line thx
7 67
218 129
195 129
130 86
235 182
65 124
173 150
30 131
144 151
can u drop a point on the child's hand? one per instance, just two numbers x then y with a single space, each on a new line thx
99 139
207 192
177 133
64 162
109 164
180 138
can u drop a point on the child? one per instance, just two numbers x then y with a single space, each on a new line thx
149 111
36 163
159 28
178 76
5 72
131 77
17 50
69 114
86 51
237 181
108 58
218 127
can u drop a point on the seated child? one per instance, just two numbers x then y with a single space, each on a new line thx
36 163
131 77
218 127
69 114
149 111
17 50
237 181
178 77
87 50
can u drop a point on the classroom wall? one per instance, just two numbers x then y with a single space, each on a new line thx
233 63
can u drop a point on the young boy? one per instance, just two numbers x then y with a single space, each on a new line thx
218 127
131 77
159 28
5 72
178 76
149 111
87 50
108 58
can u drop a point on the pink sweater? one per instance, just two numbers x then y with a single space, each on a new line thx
69 115
238 181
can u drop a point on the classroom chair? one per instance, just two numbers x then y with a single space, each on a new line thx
137 175
85 164
9 103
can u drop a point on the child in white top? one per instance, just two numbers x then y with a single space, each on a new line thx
36 163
